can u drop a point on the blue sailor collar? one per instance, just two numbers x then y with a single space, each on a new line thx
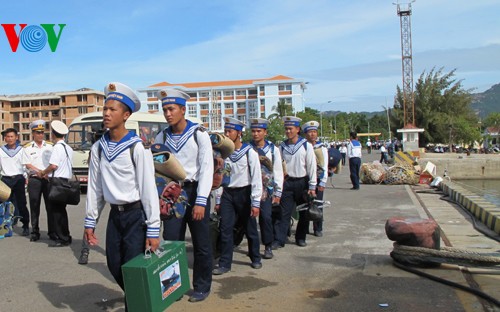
176 145
291 148
11 152
265 148
238 154
111 149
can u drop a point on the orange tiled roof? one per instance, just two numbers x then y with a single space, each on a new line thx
218 83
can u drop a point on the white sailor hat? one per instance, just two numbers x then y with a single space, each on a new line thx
233 123
291 121
59 127
259 123
173 96
38 125
310 125
122 93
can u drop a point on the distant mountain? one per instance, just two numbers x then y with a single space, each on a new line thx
486 102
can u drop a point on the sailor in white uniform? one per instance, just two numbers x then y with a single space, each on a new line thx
12 172
240 198
272 181
310 130
191 145
300 181
121 172
36 156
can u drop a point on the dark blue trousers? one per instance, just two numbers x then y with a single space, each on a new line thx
354 168
36 188
18 197
125 239
236 202
293 194
175 229
265 221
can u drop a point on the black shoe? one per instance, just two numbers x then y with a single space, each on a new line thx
318 233
60 243
220 270
355 188
256 265
84 257
34 237
301 243
26 231
268 252
198 296
275 245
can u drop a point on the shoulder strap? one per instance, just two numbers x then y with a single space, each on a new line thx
132 147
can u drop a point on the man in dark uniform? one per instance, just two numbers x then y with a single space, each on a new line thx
36 156
12 172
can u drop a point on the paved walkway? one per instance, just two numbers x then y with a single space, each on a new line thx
349 269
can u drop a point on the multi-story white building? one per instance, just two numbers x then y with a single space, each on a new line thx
242 99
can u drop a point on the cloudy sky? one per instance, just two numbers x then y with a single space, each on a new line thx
349 52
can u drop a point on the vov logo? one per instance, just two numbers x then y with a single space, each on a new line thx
33 38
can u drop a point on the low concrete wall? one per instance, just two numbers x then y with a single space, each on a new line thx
461 166
485 211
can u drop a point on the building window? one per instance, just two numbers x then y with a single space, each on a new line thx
63 99
228 94
262 102
203 106
242 118
152 94
252 92
241 92
192 95
26 115
285 87
55 113
241 104
81 98
26 137
82 110
26 126
45 114
192 110
287 100
153 106
204 119
204 94
228 105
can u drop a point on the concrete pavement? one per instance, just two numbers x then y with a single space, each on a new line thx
348 269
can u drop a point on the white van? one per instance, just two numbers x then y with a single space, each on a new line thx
83 128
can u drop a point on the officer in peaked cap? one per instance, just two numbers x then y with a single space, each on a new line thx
121 173
300 164
36 156
240 198
272 180
310 129
124 94
191 145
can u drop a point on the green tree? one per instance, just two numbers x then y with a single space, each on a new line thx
442 108
492 120
281 109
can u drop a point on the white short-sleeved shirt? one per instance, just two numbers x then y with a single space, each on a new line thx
62 160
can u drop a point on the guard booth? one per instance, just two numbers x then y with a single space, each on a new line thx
410 137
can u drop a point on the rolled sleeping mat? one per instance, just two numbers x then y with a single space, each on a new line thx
338 169
170 167
320 159
4 192
222 143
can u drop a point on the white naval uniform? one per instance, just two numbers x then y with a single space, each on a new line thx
11 161
62 160
183 147
300 160
245 170
38 156
113 179
274 155
323 179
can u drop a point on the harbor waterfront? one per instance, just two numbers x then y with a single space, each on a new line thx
348 269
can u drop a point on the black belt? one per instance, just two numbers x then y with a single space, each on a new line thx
127 207
236 188
12 177
289 178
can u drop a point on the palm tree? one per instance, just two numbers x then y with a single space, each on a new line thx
281 109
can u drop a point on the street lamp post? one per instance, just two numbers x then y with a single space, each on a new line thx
388 122
321 119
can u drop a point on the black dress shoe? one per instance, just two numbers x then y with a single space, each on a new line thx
268 252
256 265
318 233
220 270
59 243
276 245
198 296
34 237
26 231
84 257
301 243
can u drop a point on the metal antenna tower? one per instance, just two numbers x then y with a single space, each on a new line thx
404 12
